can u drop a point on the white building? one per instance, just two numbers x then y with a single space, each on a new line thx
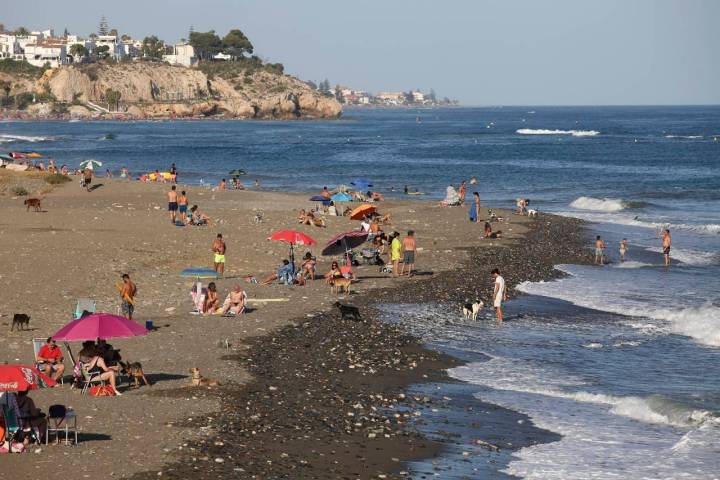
392 98
71 40
9 47
46 52
132 48
116 48
418 96
183 54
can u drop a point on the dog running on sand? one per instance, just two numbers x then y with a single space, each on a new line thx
34 203
470 310
200 381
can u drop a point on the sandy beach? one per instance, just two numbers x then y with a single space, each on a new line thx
81 243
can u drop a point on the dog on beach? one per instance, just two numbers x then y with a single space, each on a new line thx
348 311
470 310
34 203
22 320
340 284
134 371
532 213
198 380
258 218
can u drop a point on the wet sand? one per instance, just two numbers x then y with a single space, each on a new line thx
83 241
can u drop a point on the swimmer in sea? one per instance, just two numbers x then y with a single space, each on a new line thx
623 249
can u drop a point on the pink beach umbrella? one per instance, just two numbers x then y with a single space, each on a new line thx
99 325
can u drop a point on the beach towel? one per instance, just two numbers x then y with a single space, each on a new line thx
473 212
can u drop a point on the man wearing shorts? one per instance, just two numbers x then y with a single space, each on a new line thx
666 243
127 296
218 248
183 206
173 203
395 248
599 251
87 178
50 359
499 294
409 249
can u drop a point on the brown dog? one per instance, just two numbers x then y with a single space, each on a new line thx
134 370
33 202
22 320
200 381
339 284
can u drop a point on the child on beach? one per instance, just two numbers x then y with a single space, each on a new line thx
623 249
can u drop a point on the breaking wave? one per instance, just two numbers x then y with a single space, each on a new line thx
599 204
684 136
23 138
574 133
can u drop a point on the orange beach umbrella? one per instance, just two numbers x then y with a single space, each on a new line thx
362 211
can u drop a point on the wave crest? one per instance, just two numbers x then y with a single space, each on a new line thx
6 138
574 133
598 204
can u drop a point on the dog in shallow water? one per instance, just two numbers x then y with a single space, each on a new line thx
470 310
22 320
134 371
34 203
348 311
198 380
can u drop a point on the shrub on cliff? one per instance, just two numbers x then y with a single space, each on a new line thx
20 68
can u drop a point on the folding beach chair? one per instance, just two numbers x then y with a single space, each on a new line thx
84 305
12 423
79 371
37 345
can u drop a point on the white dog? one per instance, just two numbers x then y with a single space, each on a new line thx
532 213
470 310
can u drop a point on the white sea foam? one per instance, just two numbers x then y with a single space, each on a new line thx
598 204
631 264
690 256
574 133
684 136
6 138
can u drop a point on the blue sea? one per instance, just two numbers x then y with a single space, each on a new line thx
621 362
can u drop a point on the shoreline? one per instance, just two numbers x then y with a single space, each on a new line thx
183 341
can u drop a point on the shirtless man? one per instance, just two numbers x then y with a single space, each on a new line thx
218 248
409 248
183 206
666 243
599 251
235 301
127 296
499 294
173 203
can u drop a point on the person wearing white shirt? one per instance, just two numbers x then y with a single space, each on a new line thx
499 294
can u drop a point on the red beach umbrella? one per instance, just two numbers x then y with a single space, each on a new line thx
99 325
292 237
18 378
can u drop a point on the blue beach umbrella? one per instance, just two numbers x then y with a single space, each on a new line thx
199 273
341 197
361 183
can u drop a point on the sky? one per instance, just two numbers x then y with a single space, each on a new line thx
481 52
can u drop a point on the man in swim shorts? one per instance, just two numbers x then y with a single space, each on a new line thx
599 251
499 294
409 249
218 248
127 296
666 243
173 203
183 206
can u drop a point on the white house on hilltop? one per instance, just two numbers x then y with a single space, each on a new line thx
183 54
50 51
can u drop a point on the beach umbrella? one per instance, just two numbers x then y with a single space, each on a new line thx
199 273
6 158
344 242
362 211
99 325
361 183
18 378
91 164
292 237
341 197
237 172
318 198
17 155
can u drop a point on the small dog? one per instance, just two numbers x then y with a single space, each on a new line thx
470 310
34 203
134 370
22 320
348 311
339 284
200 381
258 218
532 213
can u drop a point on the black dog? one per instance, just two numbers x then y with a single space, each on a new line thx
348 311
22 320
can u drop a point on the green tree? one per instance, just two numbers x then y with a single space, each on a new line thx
78 51
206 44
22 31
114 32
235 43
7 87
152 47
102 51
432 96
113 98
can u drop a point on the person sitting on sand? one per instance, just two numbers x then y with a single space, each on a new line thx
195 217
333 273
235 301
124 173
488 229
222 185
318 221
379 243
307 269
306 218
301 215
284 273
332 211
30 416
64 170
94 363
377 197
211 302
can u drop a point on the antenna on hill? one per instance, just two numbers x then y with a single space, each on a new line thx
191 31
103 29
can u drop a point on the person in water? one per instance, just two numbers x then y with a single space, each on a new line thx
623 249
599 251
666 244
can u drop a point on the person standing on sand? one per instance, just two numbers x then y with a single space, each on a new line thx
173 203
173 173
666 243
87 178
599 251
222 185
462 191
623 249
218 248
499 294
474 211
409 249
127 296
183 206
395 248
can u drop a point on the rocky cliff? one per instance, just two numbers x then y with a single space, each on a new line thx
154 90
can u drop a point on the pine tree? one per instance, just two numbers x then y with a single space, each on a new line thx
103 29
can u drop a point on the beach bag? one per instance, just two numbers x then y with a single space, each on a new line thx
102 391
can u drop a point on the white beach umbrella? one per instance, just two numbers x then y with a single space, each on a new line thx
91 164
